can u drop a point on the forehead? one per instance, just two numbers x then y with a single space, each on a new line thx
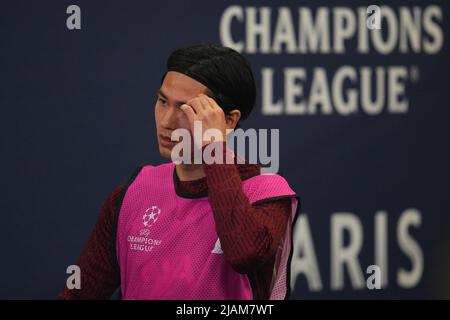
178 86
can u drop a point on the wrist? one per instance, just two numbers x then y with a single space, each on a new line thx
217 152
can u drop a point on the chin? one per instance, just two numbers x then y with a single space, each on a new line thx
165 153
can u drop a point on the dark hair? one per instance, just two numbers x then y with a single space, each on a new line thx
225 72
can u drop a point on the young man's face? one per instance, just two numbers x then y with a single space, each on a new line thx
175 90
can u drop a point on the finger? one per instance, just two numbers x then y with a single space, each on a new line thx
197 106
204 101
189 112
215 106
213 103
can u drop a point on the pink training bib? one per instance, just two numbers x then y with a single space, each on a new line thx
168 248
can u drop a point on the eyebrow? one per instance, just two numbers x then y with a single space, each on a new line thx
177 102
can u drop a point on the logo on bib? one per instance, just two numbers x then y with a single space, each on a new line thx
150 216
217 248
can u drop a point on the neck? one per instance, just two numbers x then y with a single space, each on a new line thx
189 172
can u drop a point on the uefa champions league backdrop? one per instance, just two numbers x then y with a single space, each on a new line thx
362 112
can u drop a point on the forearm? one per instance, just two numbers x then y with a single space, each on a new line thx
249 234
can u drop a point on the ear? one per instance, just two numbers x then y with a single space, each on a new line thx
232 118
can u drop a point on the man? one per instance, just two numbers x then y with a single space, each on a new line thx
194 230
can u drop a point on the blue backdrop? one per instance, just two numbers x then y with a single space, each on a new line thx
363 116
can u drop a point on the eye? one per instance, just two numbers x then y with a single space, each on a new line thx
162 101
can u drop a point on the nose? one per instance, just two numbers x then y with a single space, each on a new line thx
171 118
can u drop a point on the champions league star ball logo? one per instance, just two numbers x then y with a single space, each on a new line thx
150 216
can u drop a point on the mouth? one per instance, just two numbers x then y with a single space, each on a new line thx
165 141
